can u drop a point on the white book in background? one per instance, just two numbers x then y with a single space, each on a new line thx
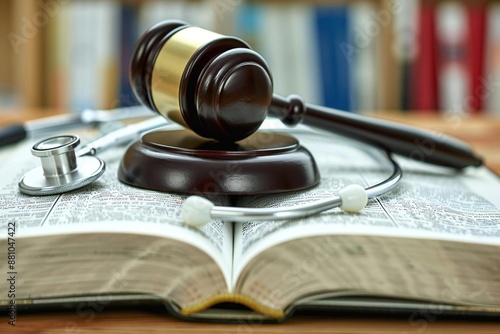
224 13
82 92
453 77
303 52
365 38
153 12
202 13
93 54
199 13
490 86
274 46
289 46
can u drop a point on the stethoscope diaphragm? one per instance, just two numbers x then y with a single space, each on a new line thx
61 170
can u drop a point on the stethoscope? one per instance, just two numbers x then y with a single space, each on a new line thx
197 211
61 170
64 169
223 90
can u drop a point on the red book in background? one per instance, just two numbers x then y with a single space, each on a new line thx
424 90
476 17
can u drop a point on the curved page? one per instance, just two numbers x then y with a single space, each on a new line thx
414 242
108 238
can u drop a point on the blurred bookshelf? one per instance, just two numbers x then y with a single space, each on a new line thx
366 55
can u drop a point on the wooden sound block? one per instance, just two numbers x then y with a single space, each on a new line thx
182 162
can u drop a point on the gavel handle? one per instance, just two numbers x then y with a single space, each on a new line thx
397 138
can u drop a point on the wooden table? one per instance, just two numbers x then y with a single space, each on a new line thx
144 322
482 132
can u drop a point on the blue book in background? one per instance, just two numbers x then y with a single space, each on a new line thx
332 27
248 23
128 39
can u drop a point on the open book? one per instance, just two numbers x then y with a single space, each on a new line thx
433 241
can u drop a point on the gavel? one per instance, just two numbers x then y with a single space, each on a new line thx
224 90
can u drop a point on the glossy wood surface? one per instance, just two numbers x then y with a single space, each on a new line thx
482 132
183 162
144 322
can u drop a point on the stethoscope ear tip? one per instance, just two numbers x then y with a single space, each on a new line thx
196 211
354 198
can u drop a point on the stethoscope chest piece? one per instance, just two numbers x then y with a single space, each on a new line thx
61 169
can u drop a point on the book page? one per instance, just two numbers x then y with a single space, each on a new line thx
106 206
430 202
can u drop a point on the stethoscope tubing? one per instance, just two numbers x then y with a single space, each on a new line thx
241 214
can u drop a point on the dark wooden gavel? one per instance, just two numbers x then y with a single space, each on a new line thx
224 90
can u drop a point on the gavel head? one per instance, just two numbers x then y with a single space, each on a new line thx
221 87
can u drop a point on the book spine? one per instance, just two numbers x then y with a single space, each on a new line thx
248 22
389 65
305 50
490 82
128 38
93 81
6 70
424 73
233 298
275 45
201 13
27 42
405 26
226 15
81 93
332 33
106 73
155 11
452 47
51 61
476 53
365 32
